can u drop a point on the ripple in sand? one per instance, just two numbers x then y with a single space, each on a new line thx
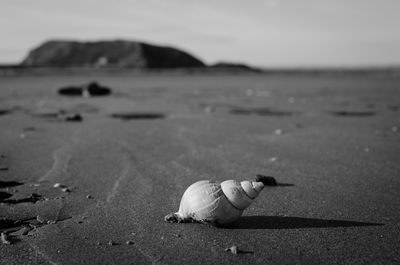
345 113
260 112
33 198
4 195
60 115
5 112
138 116
6 184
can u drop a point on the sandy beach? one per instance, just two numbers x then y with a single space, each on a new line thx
95 189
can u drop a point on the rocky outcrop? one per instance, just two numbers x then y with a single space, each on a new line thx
234 66
117 53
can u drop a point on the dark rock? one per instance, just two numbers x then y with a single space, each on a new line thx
235 66
94 89
266 180
118 53
73 117
91 89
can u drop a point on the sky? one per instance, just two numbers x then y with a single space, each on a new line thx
265 33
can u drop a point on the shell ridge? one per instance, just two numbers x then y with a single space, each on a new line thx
247 195
233 205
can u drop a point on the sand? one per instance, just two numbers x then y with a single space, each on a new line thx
95 190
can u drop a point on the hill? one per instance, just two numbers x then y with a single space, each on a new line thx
118 53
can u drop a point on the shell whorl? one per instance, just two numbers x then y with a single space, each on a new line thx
241 194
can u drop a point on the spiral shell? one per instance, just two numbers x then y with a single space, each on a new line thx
216 203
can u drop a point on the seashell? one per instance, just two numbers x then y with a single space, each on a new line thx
218 203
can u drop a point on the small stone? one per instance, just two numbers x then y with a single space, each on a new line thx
89 196
98 243
26 230
58 185
111 243
272 159
129 242
233 250
249 92
66 190
40 219
209 109
5 239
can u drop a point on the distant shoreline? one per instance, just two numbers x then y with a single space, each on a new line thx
10 69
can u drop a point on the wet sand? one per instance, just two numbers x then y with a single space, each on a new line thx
95 190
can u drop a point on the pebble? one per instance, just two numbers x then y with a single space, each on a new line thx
272 159
209 109
66 190
233 250
26 230
249 92
129 242
89 196
5 239
40 219
58 185
111 243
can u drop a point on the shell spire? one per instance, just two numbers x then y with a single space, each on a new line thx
218 203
